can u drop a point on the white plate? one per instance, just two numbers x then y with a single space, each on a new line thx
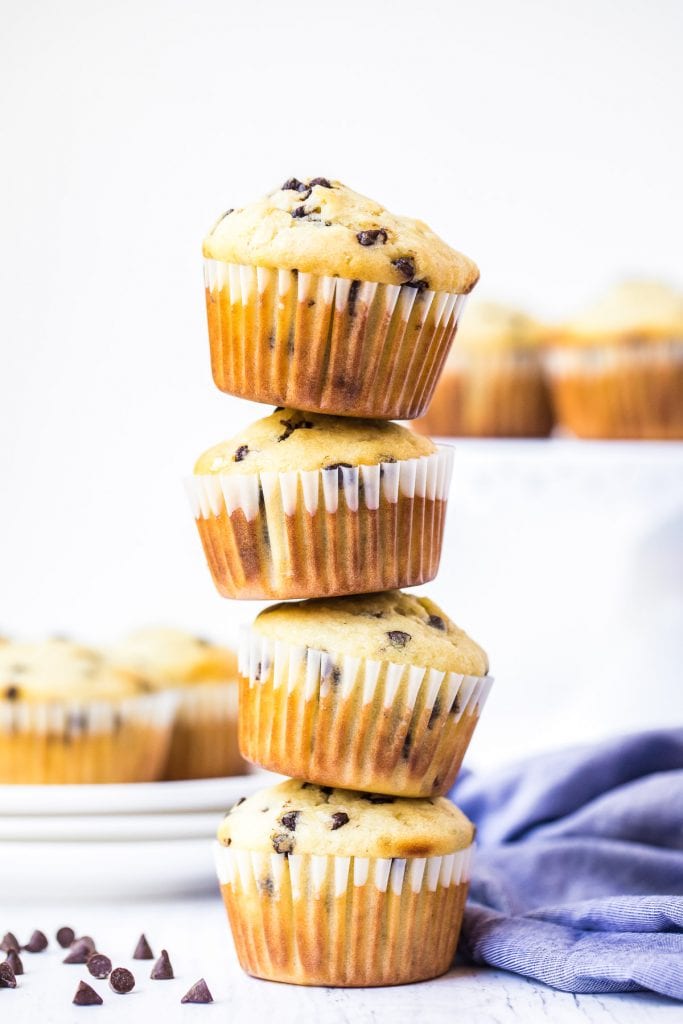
93 828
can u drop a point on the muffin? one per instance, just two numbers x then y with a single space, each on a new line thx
380 692
68 715
328 887
320 299
617 369
204 675
302 505
493 382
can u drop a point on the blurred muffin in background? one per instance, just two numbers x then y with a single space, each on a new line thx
204 675
617 368
493 382
67 715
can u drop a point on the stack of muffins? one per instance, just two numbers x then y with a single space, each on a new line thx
355 871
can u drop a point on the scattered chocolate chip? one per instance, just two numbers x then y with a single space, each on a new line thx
298 212
14 960
407 743
294 185
339 818
398 638
9 941
320 181
87 941
422 285
290 819
435 713
283 843
372 236
162 970
7 978
99 965
405 266
121 980
79 953
142 950
291 425
65 936
199 993
377 798
37 943
86 996
241 453
11 693
436 622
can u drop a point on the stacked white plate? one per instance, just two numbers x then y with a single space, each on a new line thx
143 840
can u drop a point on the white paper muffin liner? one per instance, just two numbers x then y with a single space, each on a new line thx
355 722
204 741
378 348
323 532
72 718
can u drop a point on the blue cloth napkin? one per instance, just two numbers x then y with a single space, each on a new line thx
578 879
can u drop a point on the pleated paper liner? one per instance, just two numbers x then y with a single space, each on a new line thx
204 743
344 921
323 533
86 741
497 394
353 722
627 390
327 344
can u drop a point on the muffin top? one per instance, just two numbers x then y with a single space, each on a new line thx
391 626
288 440
300 817
62 670
629 311
493 327
320 226
174 656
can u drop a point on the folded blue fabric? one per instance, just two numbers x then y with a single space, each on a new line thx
578 879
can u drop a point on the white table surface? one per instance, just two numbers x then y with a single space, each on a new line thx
196 934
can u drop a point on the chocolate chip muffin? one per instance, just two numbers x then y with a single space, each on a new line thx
617 368
303 505
321 299
493 382
379 692
328 887
68 715
204 676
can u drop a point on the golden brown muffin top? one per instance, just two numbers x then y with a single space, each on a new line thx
494 327
175 656
629 311
300 817
391 626
320 226
290 440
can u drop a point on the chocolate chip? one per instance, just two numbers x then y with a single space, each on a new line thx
291 425
241 453
436 622
338 466
326 790
65 936
372 236
320 181
407 743
290 819
294 185
37 943
405 266
7 978
306 194
199 993
398 638
14 960
339 818
79 953
11 693
353 293
298 212
121 981
422 285
162 970
377 798
86 996
99 965
9 941
240 801
283 843
142 950
87 941
435 713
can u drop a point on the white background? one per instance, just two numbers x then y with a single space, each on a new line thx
543 139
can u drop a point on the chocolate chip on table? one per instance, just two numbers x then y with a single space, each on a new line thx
339 818
283 843
7 978
436 622
142 950
14 960
86 996
398 638
162 970
121 981
65 936
199 993
79 953
290 819
85 940
372 236
377 798
294 185
241 453
9 941
405 266
37 943
99 965
320 181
